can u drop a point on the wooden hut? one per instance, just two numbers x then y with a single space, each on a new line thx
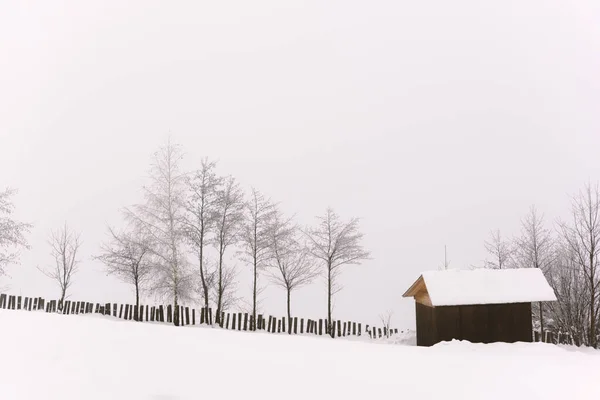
480 306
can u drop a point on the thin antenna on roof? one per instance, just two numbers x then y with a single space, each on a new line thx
446 262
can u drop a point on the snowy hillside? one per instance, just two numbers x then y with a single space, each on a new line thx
49 356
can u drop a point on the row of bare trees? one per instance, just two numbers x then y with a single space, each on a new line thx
569 256
180 242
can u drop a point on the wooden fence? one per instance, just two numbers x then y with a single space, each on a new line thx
553 337
184 316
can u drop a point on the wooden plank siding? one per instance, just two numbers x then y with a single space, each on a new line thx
476 323
426 328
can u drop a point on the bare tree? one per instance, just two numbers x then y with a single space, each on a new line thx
289 258
255 239
535 249
229 298
65 245
161 219
203 186
500 250
128 256
582 236
570 311
229 215
335 243
386 320
12 233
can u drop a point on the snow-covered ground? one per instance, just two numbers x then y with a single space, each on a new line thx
45 356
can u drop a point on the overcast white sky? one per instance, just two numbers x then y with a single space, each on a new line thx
433 121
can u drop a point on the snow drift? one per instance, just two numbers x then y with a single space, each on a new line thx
49 356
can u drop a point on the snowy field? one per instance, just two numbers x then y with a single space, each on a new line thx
77 357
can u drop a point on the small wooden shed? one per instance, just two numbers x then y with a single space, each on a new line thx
480 306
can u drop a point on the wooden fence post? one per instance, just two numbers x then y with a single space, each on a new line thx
245 321
2 300
193 316
169 313
278 326
320 327
339 326
301 325
227 322
210 318
295 325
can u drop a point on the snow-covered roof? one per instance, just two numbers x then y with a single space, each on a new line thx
481 286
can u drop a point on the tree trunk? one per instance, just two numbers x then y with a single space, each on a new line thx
542 322
203 282
289 308
63 294
253 327
592 339
202 277
175 312
137 301
220 290
329 298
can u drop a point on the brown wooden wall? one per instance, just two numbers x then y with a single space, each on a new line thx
476 323
426 332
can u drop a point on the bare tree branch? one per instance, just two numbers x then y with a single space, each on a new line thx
535 248
289 260
12 233
259 213
229 216
336 244
128 256
199 222
65 245
161 219
500 250
582 238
